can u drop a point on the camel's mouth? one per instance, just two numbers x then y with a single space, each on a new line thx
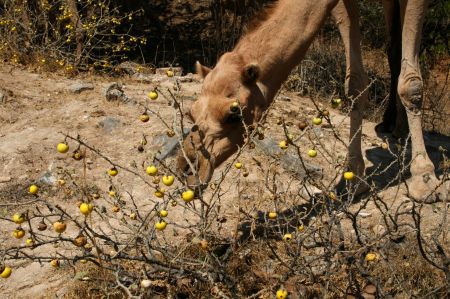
196 165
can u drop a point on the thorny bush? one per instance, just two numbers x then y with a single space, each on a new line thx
241 237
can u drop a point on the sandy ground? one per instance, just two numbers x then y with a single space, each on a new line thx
41 106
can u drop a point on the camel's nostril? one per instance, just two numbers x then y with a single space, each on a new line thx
187 170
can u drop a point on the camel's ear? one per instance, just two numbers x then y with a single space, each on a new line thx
250 73
201 70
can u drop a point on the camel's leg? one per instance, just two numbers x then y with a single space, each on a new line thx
394 118
346 15
410 89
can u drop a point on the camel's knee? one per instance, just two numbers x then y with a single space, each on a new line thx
410 90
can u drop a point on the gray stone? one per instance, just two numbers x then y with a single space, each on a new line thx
47 178
114 92
79 87
168 145
109 124
292 163
132 68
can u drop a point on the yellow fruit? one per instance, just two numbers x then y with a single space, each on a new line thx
54 263
204 244
160 193
80 241
153 95
6 272
348 175
18 233
33 189
133 216
301 228
272 215
61 182
170 133
283 144
168 180
86 208
317 121
112 193
161 225
29 241
113 171
163 213
144 117
332 196
238 165
370 257
151 170
42 226
287 237
59 227
18 218
188 195
170 73
62 148
312 153
234 107
335 103
77 155
282 294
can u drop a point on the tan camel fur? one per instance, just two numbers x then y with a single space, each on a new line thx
253 73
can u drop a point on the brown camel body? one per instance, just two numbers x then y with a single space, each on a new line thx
253 73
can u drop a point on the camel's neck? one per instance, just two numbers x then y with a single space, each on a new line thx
281 41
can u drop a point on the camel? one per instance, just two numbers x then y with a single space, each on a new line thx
255 69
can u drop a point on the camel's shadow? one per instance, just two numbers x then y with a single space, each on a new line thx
389 166
384 173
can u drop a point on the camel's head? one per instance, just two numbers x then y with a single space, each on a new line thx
218 128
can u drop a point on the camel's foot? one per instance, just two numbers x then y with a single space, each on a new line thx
394 129
351 189
384 128
426 188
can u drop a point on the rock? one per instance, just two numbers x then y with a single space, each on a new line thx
47 178
290 162
168 145
364 214
114 92
109 124
132 68
79 87
5 179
